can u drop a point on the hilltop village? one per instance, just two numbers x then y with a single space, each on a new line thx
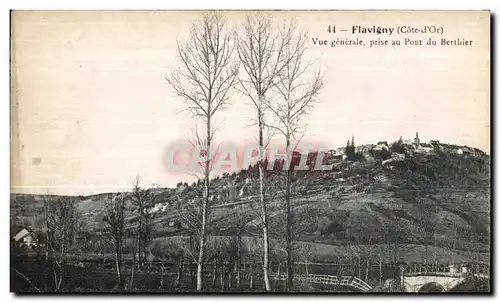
238 186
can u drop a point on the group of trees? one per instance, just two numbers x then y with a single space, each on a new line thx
118 225
350 151
265 63
65 233
399 146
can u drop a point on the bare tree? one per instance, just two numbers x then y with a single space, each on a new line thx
175 249
298 87
368 254
308 252
219 251
261 52
241 218
204 81
141 201
190 218
114 230
61 222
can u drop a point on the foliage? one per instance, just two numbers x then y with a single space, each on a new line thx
398 146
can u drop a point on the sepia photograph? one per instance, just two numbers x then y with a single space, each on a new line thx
250 151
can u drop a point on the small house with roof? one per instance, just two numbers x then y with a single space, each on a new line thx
425 148
381 146
365 148
24 238
334 156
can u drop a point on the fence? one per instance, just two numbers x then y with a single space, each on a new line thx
329 280
448 269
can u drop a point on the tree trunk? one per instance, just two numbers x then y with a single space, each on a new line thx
47 246
202 239
265 230
251 280
285 280
238 261
250 274
56 273
222 275
359 266
61 260
162 271
150 259
380 269
191 274
426 257
265 239
137 246
214 277
180 268
118 269
367 268
237 274
204 214
289 259
131 277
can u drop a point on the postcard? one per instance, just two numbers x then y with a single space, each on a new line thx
250 152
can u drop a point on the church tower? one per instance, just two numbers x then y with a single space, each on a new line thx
417 140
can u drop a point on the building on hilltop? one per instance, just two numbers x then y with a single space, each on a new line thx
436 144
334 156
470 151
407 142
365 148
340 150
381 146
425 148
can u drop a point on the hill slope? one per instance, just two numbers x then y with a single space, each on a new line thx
440 199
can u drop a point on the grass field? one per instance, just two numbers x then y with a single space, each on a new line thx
92 274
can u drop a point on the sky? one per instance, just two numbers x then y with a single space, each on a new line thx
91 109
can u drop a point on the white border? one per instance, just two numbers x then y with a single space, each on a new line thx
256 4
198 4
